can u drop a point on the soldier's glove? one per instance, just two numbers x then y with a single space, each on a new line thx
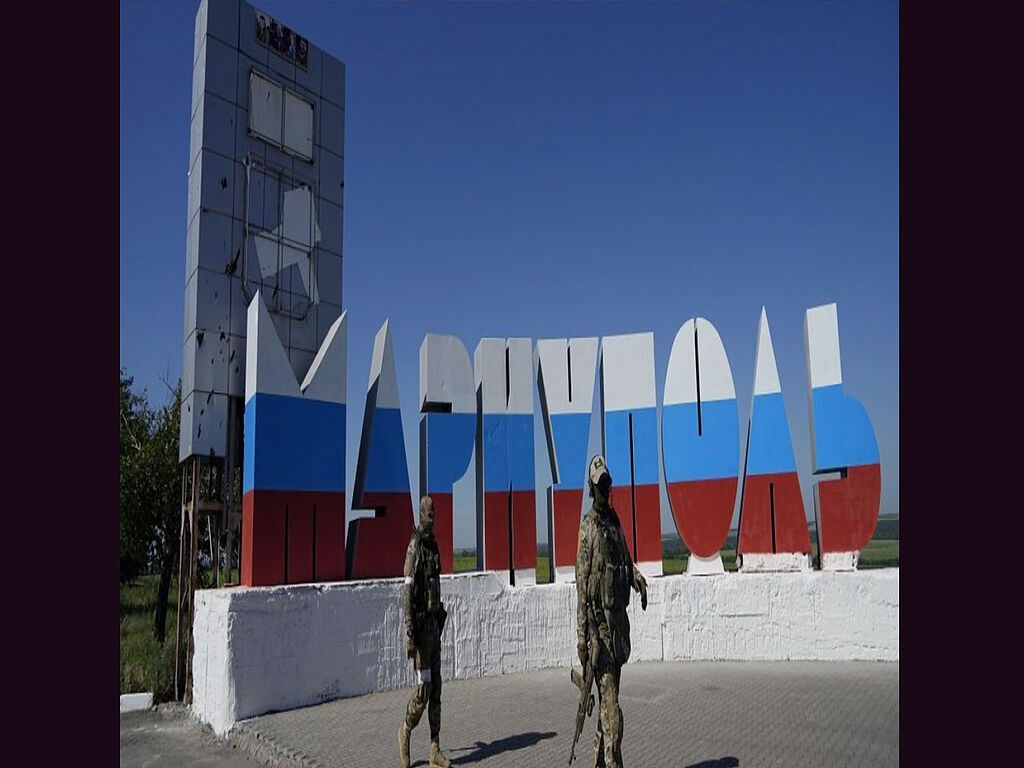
581 650
643 590
410 646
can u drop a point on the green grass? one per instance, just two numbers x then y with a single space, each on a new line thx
145 664
465 561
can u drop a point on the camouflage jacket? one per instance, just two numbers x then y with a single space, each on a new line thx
604 576
422 582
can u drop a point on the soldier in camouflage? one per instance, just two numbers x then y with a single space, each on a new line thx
604 576
425 616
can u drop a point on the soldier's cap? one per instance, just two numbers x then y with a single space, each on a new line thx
598 468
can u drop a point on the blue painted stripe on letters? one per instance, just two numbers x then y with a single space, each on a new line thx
843 435
293 444
495 458
711 455
387 470
770 448
645 445
508 451
449 448
520 450
571 433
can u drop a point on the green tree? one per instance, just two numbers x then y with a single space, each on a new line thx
150 491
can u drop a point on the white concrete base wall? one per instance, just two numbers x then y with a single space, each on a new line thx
276 648
775 561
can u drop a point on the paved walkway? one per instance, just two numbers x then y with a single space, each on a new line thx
677 715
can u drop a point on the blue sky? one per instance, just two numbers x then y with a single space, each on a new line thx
569 169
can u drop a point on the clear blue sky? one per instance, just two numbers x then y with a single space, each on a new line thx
570 169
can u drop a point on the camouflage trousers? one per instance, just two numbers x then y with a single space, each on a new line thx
608 737
427 662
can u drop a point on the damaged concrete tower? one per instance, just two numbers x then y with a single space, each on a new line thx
265 195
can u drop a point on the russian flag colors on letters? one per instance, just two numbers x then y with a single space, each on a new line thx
293 506
629 439
700 431
506 504
376 545
565 381
842 440
447 430
293 478
772 518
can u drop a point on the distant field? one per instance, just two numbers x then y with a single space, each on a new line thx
883 551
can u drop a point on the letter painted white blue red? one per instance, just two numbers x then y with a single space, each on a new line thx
447 430
772 518
700 438
376 545
629 440
293 502
842 440
565 380
506 504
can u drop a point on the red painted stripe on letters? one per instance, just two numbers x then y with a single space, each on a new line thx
648 524
524 530
330 538
263 537
300 544
791 533
566 505
848 508
702 510
379 543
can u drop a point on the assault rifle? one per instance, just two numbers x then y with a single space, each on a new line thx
584 683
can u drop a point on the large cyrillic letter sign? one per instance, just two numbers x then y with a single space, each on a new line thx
376 546
700 432
629 439
447 429
293 503
843 441
565 383
773 526
506 505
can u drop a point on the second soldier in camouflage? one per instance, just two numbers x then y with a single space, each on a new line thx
604 576
425 617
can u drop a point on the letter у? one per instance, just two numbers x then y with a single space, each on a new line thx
842 440
293 503
629 440
565 383
700 432
506 503
772 518
447 429
376 546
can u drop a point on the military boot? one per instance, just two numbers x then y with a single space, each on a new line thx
437 758
403 744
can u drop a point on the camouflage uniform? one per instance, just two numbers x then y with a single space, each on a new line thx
604 576
425 617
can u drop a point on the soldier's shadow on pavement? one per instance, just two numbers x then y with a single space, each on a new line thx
723 762
482 750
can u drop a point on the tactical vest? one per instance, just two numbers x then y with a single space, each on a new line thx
426 587
609 585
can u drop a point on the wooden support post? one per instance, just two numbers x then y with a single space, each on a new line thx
213 527
193 563
178 668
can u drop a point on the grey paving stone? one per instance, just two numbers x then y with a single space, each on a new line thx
676 715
